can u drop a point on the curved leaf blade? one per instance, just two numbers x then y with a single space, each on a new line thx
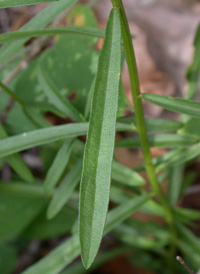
41 136
58 165
65 190
179 105
16 35
96 176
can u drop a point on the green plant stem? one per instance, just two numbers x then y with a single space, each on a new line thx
139 114
11 93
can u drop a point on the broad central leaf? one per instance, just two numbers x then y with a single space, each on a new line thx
98 155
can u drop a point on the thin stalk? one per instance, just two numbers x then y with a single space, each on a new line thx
11 93
139 114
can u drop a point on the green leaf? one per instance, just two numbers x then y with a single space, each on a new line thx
125 175
161 140
43 229
39 21
96 176
18 208
191 128
153 125
16 162
56 260
17 35
16 3
188 179
179 156
8 259
41 136
174 185
61 103
64 190
125 210
179 105
58 166
193 71
89 100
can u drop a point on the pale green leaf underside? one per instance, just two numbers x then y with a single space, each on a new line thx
96 175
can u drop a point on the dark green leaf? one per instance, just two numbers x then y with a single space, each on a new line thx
43 229
17 209
8 259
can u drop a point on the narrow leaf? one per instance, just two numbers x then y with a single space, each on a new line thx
13 36
65 190
16 3
96 176
41 136
179 105
179 157
191 128
55 261
193 72
174 186
125 175
153 125
161 140
16 162
61 103
125 210
60 162
41 20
